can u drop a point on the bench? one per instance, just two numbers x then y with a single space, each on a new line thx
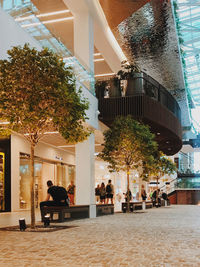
64 213
104 209
136 205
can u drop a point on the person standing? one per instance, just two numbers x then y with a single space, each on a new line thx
143 193
71 191
97 193
102 193
109 192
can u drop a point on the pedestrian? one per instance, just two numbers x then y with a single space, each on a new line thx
143 193
109 192
102 193
71 191
97 193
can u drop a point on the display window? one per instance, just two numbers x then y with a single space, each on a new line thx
61 174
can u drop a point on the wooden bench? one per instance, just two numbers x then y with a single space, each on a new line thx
136 205
64 213
104 209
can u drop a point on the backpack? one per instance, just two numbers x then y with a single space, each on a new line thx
61 193
108 189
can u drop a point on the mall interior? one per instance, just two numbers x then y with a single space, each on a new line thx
94 37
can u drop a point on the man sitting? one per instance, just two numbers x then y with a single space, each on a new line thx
59 195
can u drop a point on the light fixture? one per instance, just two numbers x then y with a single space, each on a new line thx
158 133
43 15
46 220
104 74
99 59
97 54
22 224
46 22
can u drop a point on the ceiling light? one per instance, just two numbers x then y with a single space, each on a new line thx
42 15
97 54
46 22
105 74
99 59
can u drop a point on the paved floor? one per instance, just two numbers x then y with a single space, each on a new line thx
167 236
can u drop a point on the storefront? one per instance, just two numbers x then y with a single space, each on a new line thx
60 174
5 180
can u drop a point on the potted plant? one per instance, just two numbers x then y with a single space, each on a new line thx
108 88
130 77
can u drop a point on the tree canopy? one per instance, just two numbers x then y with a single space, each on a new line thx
128 144
38 93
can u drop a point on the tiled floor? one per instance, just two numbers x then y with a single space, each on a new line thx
167 236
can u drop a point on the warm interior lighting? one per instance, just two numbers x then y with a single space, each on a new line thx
43 133
99 59
97 54
104 74
46 22
43 15
4 122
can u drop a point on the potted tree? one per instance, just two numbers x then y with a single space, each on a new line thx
37 94
128 144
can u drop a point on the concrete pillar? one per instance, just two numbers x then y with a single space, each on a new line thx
85 176
84 43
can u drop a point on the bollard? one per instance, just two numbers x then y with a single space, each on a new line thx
22 224
143 205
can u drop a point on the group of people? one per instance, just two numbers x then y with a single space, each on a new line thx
104 193
156 197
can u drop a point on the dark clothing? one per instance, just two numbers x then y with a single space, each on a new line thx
52 203
144 195
55 194
97 191
109 195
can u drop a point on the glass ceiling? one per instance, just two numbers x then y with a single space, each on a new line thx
187 16
26 14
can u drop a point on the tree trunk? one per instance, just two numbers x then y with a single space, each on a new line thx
157 190
128 197
32 188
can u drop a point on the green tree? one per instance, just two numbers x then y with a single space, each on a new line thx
160 166
128 145
38 94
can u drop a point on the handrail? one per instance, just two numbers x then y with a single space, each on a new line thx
160 93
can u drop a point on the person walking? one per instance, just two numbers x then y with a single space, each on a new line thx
109 192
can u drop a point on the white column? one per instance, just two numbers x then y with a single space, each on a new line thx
85 176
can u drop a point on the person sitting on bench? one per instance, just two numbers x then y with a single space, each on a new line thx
59 195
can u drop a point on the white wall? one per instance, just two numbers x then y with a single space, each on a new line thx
19 144
12 35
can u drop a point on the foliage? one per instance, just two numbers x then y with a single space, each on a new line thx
128 70
128 144
160 166
37 93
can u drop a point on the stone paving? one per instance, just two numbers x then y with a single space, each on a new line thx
167 236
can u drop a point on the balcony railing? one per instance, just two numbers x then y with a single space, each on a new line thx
141 83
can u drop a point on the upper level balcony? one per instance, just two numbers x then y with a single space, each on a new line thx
147 101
